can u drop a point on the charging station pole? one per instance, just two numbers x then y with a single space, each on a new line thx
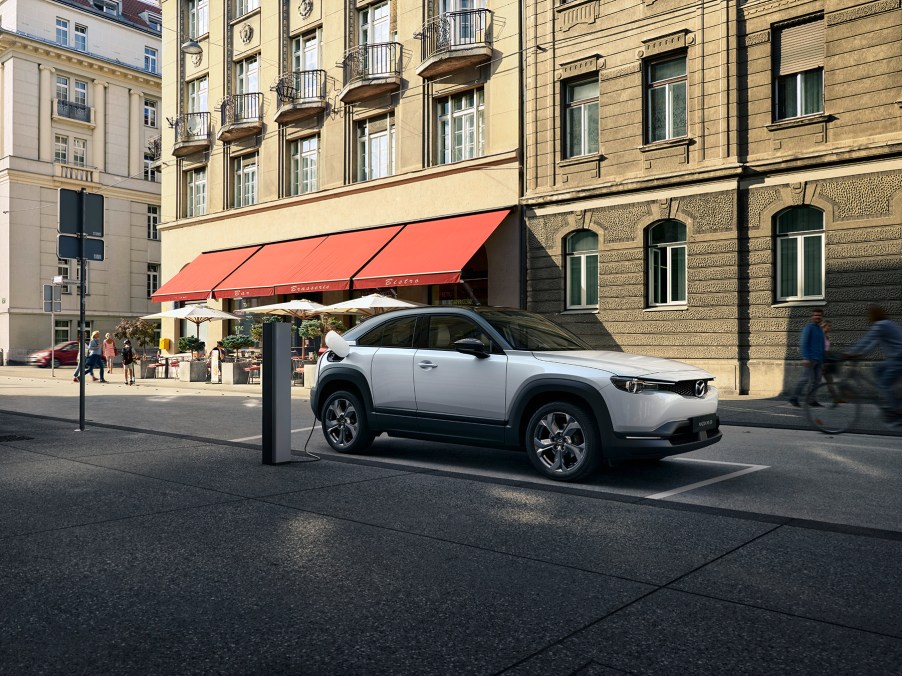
276 377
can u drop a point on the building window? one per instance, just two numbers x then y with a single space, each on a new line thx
247 76
666 103
375 148
582 270
303 157
153 278
81 38
799 66
61 331
150 113
81 92
153 220
800 254
150 59
150 171
245 6
62 32
62 269
198 18
461 127
61 149
305 52
196 193
245 180
110 7
197 96
581 118
79 152
667 263
62 88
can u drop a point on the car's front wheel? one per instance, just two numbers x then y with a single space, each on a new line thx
344 423
562 441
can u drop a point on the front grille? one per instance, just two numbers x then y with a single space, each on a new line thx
684 388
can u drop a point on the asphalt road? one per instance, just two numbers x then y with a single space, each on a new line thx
847 480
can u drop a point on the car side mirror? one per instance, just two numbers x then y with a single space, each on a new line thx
471 346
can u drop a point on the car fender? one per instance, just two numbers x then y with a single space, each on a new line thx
339 374
556 386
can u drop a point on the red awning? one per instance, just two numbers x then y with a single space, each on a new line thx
196 280
429 252
306 265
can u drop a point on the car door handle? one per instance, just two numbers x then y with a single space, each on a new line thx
427 365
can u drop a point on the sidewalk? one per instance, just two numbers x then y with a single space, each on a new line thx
126 552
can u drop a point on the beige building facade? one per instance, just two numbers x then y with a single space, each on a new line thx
373 121
80 104
699 175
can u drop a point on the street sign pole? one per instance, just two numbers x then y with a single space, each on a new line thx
52 342
81 309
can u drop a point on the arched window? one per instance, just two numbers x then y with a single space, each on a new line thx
800 254
667 263
582 270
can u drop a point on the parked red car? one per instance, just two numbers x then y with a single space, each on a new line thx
64 354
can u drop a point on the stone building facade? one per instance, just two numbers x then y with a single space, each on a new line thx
698 175
296 121
80 105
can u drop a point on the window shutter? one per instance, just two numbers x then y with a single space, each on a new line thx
801 48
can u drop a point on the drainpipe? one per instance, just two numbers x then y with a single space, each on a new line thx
521 11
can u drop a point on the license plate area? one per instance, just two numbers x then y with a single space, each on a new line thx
704 422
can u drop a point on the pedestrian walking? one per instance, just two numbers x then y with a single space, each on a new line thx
128 362
887 335
95 356
812 347
87 368
109 352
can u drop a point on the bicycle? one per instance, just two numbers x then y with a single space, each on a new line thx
835 405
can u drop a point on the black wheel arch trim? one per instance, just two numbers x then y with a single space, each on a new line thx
343 375
555 385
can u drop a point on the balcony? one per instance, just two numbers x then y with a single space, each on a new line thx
192 133
242 116
300 95
454 41
371 70
75 112
75 172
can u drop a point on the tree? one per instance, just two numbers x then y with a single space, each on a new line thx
139 331
314 328
257 329
190 344
237 341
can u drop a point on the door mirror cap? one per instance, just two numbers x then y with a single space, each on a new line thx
471 346
337 344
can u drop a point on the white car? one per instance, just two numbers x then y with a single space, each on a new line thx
512 379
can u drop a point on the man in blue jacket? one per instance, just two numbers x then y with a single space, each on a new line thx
812 346
887 335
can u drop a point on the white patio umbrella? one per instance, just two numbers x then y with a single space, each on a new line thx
372 304
197 314
302 309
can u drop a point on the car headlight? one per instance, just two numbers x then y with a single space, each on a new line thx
633 385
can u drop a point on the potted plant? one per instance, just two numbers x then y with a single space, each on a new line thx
196 371
233 372
312 329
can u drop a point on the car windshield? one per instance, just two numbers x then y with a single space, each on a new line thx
528 331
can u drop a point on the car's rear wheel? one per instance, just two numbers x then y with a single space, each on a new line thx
562 442
344 423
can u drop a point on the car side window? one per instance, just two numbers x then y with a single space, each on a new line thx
445 331
398 333
373 338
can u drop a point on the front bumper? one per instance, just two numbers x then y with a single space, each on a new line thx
669 439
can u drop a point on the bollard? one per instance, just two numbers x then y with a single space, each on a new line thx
276 393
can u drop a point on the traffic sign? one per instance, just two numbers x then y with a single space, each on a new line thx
69 216
52 298
67 247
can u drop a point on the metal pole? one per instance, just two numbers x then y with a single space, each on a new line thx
81 309
52 336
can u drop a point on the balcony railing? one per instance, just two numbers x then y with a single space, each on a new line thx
301 85
192 127
239 108
367 62
155 147
452 30
75 172
73 110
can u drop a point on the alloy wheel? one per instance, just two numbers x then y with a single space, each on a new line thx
341 423
559 443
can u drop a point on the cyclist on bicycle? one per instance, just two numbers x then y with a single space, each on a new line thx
888 336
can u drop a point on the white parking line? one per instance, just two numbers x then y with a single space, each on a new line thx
682 489
260 436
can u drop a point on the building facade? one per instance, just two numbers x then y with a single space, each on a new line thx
80 106
314 146
698 175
